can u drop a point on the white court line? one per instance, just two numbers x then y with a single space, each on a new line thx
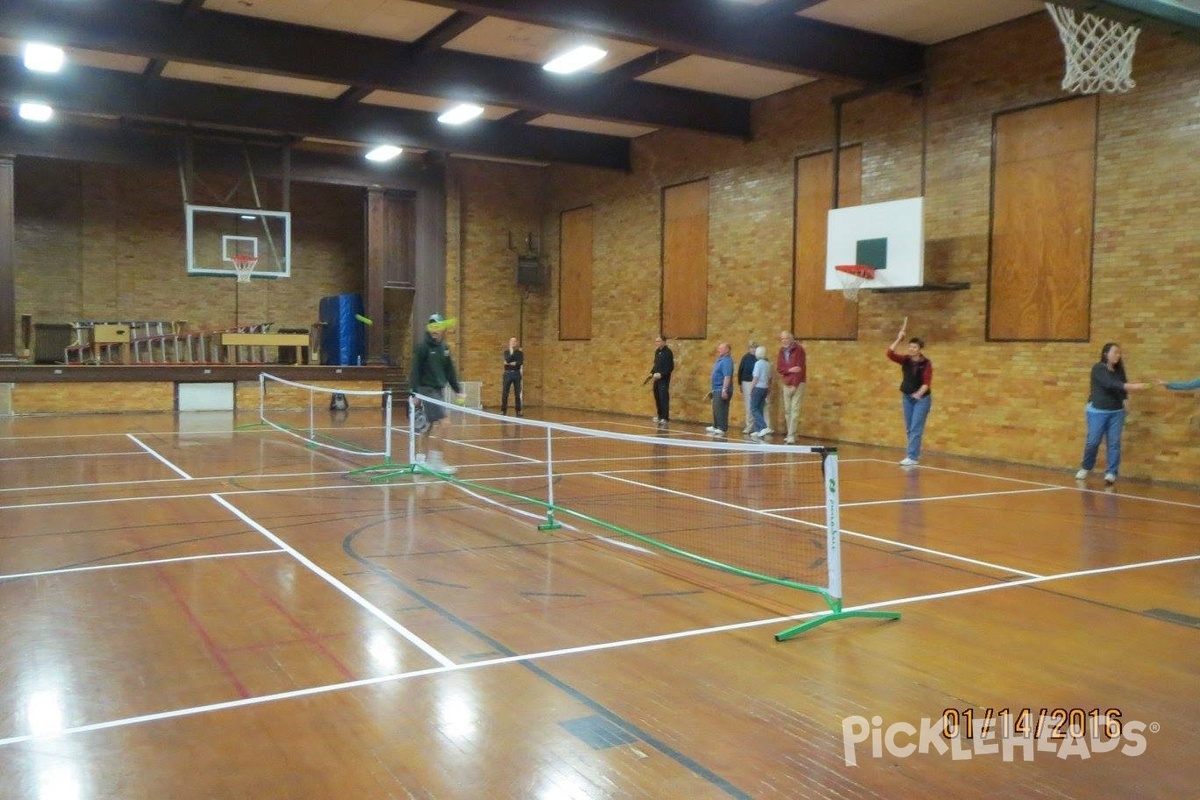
924 499
335 583
155 562
568 651
71 455
464 443
321 573
844 531
100 484
1076 488
152 452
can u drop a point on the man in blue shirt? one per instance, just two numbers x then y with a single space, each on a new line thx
722 389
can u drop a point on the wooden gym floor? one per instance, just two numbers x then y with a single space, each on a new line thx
193 611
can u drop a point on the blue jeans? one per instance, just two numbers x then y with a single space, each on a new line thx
758 401
1105 425
915 413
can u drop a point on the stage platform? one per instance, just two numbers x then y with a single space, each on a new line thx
58 389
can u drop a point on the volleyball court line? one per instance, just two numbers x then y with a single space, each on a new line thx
569 651
152 563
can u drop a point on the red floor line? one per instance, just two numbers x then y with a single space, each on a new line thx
213 650
306 633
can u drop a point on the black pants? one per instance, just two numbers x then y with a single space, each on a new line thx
662 398
511 379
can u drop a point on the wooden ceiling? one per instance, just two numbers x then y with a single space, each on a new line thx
334 76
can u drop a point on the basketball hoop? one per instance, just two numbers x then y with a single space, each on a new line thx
1099 51
244 266
853 277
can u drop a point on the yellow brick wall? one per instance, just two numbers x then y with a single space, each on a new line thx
76 398
1018 402
159 396
101 242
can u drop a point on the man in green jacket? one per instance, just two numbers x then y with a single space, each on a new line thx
432 371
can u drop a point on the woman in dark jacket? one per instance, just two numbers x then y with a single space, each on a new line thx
1106 412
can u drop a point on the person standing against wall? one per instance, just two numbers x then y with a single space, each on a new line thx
1105 412
721 382
916 373
745 378
792 364
514 363
660 373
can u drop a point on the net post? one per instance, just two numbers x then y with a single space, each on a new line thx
550 524
412 430
833 525
262 397
387 426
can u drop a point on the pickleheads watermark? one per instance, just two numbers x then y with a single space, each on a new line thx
1007 733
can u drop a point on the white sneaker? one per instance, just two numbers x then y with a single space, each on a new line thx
908 462
420 458
790 440
1110 478
756 435
719 434
1082 475
711 429
765 432
655 419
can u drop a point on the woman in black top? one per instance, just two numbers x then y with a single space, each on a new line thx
1106 412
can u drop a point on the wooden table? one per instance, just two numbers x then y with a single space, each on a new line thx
110 334
232 341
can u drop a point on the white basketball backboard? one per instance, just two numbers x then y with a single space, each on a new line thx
887 236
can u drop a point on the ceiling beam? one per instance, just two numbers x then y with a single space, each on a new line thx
206 105
147 150
721 30
157 31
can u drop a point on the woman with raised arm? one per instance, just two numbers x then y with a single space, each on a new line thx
1106 408
915 399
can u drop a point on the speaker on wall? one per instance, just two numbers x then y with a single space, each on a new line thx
531 272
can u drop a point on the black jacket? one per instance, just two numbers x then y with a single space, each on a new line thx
664 362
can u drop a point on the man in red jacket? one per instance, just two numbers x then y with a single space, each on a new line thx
792 365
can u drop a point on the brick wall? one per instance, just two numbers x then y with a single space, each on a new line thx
1019 402
100 242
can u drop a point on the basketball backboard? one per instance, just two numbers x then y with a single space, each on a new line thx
890 237
217 235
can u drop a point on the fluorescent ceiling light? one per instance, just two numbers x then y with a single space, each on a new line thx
463 112
43 57
575 60
384 152
35 112
249 217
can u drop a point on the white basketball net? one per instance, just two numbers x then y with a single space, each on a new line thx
851 284
1099 51
244 266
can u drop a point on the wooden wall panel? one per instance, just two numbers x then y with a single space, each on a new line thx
1039 284
685 261
817 313
575 281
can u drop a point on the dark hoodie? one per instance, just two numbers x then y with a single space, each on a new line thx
432 367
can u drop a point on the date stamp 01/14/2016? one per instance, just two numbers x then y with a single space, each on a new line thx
1011 733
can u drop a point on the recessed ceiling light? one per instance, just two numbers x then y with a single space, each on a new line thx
384 152
35 112
463 112
43 57
575 60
